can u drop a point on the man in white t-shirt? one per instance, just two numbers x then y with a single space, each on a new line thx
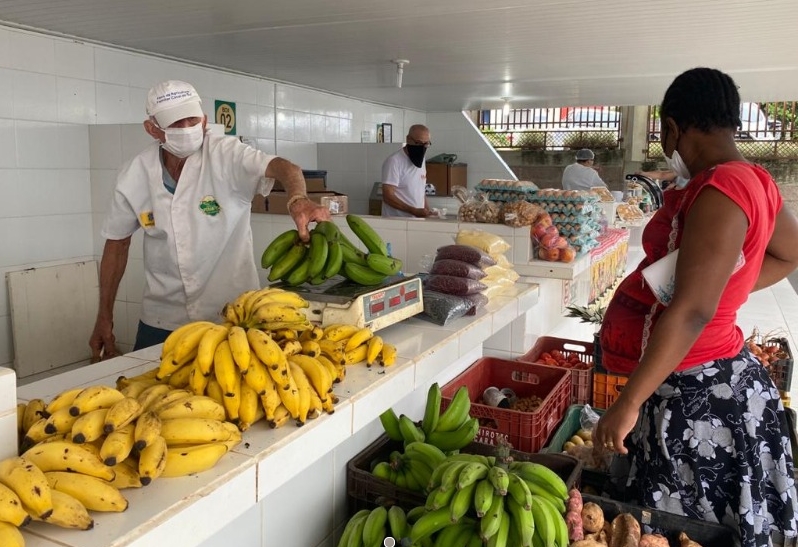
404 177
582 175
190 193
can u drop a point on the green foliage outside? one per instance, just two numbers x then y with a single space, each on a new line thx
529 139
591 139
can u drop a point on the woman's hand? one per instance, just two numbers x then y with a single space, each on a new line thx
614 426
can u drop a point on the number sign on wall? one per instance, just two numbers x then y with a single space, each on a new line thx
226 115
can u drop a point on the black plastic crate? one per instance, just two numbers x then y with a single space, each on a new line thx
708 534
365 491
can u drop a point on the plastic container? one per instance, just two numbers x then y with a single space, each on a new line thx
526 431
581 378
364 490
607 387
781 370
591 478
708 534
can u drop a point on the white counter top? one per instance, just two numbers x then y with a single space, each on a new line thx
187 511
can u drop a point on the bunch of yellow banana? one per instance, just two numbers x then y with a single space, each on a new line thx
127 437
270 308
267 361
348 344
30 490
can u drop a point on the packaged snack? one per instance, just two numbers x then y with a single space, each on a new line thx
465 253
485 241
479 209
459 286
499 273
457 268
521 213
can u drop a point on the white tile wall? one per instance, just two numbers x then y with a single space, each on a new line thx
52 90
453 133
6 88
308 493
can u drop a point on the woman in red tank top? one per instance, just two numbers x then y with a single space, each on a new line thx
699 418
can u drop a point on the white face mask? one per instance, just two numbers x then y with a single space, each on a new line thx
676 164
183 141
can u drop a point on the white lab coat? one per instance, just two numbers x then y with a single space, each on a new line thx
580 177
198 251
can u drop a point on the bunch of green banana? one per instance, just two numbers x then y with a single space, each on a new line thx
369 528
412 468
295 262
520 504
451 430
328 253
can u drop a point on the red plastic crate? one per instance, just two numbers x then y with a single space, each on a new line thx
780 370
526 431
581 376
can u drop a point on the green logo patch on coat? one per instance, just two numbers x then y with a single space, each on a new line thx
210 206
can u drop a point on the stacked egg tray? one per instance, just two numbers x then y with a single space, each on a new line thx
507 190
575 214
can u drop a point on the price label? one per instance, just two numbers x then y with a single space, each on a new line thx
226 116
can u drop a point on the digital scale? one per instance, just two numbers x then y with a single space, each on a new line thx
339 300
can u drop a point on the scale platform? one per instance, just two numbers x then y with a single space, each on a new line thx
339 300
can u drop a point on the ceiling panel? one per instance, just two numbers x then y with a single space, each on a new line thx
463 53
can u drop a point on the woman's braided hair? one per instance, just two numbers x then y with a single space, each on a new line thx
704 99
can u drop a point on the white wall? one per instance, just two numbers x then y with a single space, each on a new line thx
353 169
454 133
52 90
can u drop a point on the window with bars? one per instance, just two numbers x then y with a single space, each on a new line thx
596 127
767 131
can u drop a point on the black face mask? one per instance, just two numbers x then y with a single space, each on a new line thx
416 153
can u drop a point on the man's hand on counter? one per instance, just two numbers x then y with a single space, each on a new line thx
103 341
421 212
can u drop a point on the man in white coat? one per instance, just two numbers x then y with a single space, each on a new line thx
190 192
582 175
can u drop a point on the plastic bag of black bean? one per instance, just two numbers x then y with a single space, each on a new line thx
440 308
458 286
457 268
478 301
465 253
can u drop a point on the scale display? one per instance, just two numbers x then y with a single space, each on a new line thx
339 300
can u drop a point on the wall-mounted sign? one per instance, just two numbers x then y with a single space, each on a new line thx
384 132
226 116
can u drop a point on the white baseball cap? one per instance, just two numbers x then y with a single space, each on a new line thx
173 100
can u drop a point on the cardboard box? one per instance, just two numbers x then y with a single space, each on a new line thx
444 176
315 181
275 203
